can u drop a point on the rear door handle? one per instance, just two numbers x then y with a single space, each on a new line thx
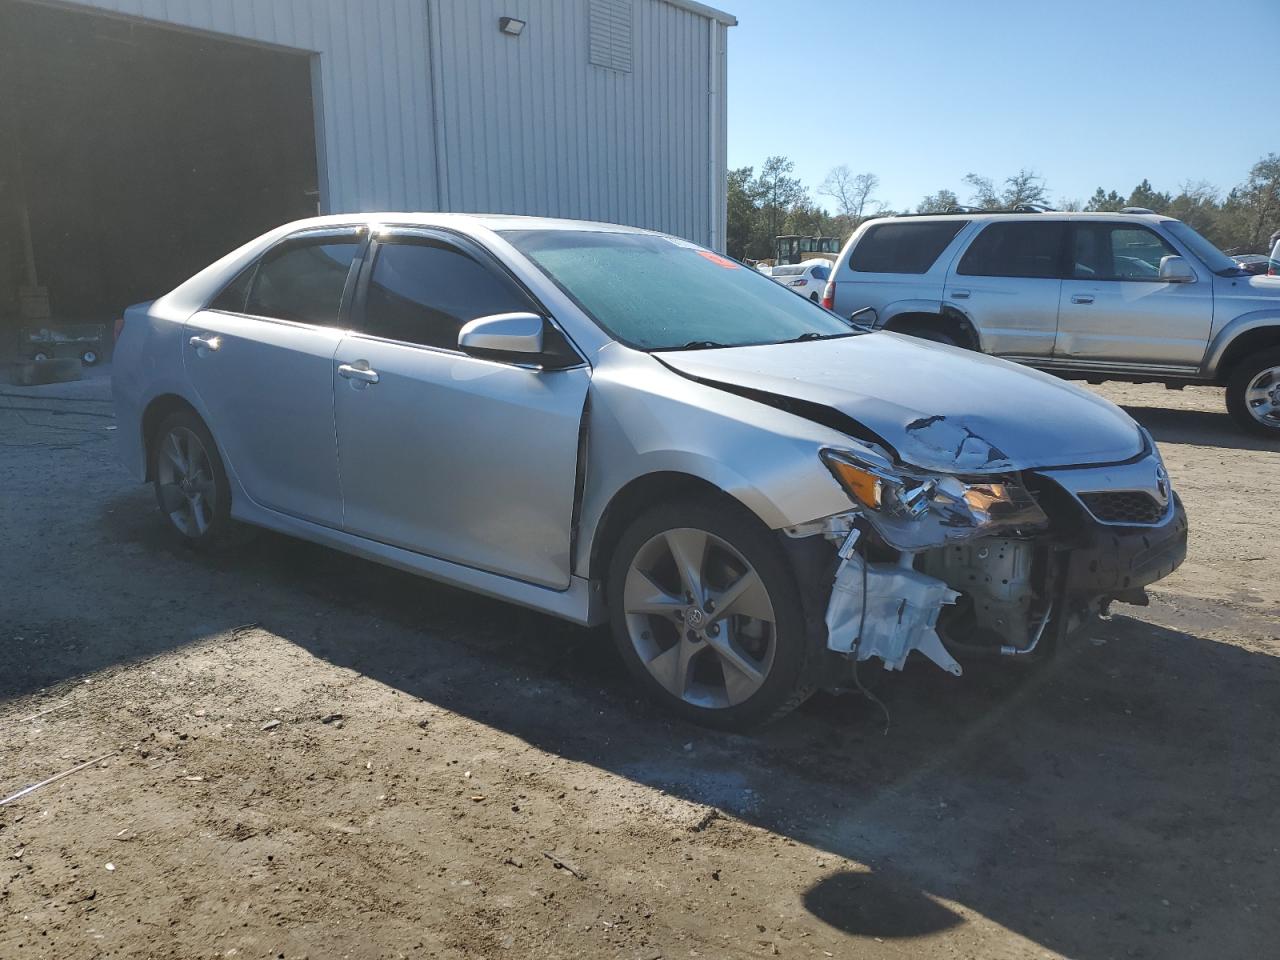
1081 298
205 343
960 294
362 374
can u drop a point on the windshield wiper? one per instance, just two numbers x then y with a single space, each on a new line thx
813 335
701 345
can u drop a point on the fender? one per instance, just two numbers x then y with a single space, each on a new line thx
1234 329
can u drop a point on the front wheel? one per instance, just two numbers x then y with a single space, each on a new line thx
1253 393
190 482
706 614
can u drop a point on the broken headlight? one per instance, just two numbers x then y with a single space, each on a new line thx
917 510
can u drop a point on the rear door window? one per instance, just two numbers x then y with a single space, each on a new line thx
903 247
302 280
1016 249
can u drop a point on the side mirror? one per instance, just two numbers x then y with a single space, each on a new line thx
865 317
1176 270
513 336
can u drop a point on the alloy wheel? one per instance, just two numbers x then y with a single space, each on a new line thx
185 481
1262 397
700 618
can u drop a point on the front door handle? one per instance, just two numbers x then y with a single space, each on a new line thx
361 374
1081 298
205 343
960 294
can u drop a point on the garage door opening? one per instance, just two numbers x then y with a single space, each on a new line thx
133 155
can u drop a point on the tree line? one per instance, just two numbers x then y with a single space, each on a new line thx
774 202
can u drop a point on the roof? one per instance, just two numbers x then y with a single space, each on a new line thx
489 221
1048 214
728 19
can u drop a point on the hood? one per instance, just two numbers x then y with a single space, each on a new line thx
938 407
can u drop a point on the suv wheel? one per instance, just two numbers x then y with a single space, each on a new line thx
706 614
1253 393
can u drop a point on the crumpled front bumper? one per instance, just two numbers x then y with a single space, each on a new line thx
1113 560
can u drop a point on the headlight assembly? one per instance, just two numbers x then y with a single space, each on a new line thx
917 510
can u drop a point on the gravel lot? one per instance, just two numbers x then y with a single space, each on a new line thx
312 756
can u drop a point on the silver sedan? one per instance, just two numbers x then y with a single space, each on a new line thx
614 425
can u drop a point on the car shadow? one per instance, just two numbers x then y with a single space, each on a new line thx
1201 427
978 793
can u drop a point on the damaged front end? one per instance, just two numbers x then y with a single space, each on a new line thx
993 565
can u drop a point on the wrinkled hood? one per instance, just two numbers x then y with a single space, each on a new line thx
939 407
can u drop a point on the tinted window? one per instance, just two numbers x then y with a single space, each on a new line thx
903 247
660 293
303 280
821 273
1110 251
788 271
424 291
236 293
1021 249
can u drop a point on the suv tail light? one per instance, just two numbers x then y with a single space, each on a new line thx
829 295
119 329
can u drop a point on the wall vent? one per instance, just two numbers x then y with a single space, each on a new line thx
610 34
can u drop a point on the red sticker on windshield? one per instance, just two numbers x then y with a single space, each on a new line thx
718 260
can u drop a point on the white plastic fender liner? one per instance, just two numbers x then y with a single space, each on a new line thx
902 607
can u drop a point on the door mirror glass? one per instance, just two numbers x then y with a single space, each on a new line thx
511 335
1176 270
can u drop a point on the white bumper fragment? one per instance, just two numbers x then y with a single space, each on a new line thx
886 611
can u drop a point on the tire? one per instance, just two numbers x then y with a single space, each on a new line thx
1253 393
813 297
672 645
42 355
89 357
931 334
190 482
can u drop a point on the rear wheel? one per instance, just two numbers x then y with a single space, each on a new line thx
923 332
1253 393
707 616
190 482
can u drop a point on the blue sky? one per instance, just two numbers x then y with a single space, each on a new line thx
1086 93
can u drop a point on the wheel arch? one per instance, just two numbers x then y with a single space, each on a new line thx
635 496
1235 343
156 410
945 319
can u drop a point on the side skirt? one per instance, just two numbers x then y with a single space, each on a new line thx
582 603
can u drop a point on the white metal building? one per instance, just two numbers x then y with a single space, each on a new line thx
232 115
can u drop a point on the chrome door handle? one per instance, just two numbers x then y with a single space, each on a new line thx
960 294
205 343
352 372
1081 298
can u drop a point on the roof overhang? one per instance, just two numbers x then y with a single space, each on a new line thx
711 13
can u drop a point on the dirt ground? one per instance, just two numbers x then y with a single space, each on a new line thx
308 755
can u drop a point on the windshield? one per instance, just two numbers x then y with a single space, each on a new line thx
1211 256
659 293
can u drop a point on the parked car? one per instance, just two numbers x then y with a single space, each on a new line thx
1099 296
1273 266
1254 264
808 279
613 425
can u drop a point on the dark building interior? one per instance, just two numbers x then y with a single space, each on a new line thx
133 155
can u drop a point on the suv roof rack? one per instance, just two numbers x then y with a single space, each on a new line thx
1135 210
961 208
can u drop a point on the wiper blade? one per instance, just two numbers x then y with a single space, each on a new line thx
813 335
701 345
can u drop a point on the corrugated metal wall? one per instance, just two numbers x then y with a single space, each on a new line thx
531 126
497 123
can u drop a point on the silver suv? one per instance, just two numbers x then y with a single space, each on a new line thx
1094 296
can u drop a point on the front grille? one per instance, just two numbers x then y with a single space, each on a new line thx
1124 506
